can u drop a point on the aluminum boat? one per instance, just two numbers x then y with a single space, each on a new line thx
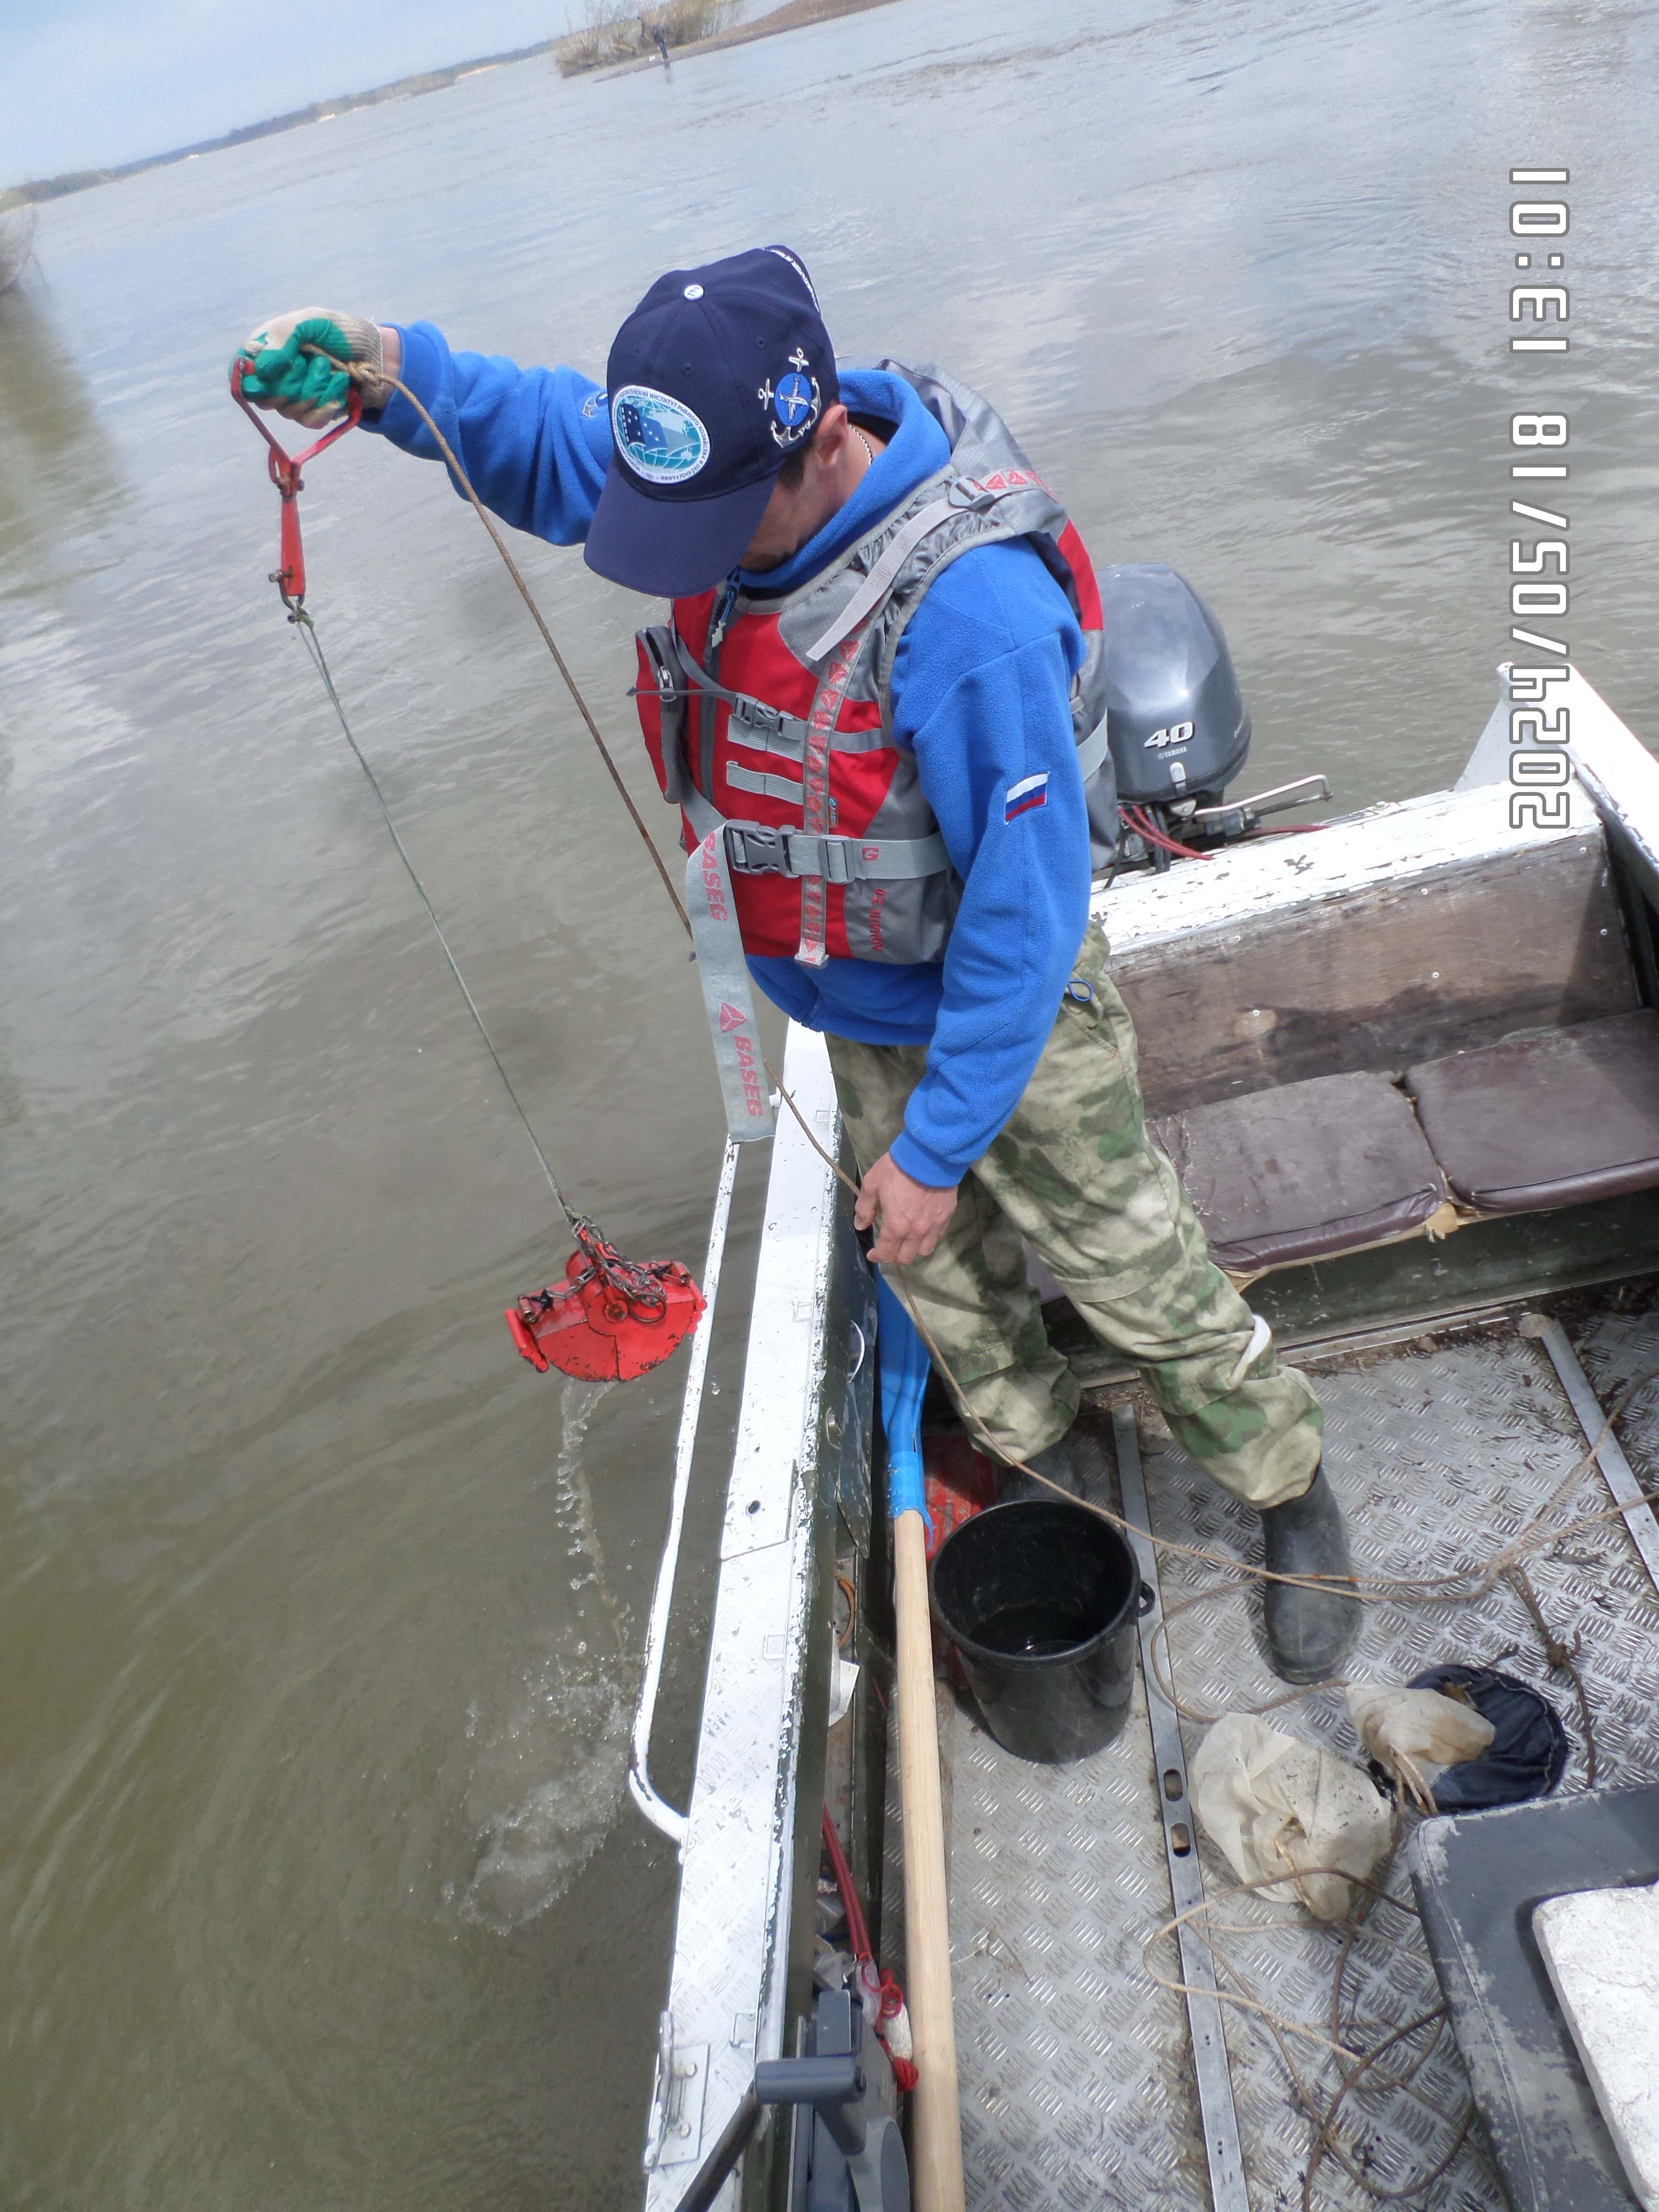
1409 1064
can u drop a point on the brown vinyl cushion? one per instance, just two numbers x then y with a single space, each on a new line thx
1304 1171
1547 1121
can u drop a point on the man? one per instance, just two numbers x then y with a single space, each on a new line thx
880 709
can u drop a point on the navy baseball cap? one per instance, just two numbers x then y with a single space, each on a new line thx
716 378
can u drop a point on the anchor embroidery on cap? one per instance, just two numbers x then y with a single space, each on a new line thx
793 402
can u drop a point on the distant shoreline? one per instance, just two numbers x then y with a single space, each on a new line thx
319 111
794 14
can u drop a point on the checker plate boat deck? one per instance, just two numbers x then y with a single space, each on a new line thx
1410 1068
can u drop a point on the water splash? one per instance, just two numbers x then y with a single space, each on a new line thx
547 1776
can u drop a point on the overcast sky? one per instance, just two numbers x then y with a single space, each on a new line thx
87 83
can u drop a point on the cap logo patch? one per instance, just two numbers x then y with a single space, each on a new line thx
792 402
659 438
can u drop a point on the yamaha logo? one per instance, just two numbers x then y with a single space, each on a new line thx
1176 734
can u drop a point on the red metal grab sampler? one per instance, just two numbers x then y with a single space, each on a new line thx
610 1319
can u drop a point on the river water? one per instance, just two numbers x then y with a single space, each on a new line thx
319 1886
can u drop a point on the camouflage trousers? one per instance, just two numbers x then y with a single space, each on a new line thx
1075 1175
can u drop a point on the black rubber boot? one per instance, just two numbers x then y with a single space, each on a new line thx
1309 1632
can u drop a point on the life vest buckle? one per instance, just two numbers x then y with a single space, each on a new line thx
756 848
970 497
756 714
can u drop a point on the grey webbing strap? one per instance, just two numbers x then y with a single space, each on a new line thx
700 730
727 996
752 721
879 582
670 728
866 859
785 787
1091 753
818 807
675 783
837 860
702 813
764 738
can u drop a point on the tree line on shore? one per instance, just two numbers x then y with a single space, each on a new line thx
621 31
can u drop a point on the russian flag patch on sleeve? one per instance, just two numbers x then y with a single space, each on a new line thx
1020 798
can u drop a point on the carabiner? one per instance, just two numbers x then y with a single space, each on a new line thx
290 578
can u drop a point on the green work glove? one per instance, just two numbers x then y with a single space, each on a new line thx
302 386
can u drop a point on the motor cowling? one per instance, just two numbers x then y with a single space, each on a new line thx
1174 719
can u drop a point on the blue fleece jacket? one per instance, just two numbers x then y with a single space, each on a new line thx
981 695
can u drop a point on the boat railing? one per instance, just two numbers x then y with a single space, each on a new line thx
656 1808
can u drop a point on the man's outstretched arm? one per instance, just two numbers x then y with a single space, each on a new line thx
535 442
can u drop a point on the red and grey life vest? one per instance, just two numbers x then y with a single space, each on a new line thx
769 723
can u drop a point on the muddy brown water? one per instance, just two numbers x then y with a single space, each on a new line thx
319 1886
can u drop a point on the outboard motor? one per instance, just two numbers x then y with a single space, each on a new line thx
1174 719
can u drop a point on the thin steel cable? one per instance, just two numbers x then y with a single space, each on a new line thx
361 373
1442 1588
1325 2143
313 643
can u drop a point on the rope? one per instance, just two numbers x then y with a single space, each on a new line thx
1446 1588
883 1986
313 643
1352 2064
1464 1587
361 373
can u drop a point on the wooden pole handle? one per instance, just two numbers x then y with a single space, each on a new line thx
936 2115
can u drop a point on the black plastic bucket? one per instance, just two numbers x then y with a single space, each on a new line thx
1040 1598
